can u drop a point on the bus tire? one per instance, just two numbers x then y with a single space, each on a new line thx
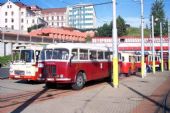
79 83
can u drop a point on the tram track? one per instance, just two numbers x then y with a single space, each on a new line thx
15 100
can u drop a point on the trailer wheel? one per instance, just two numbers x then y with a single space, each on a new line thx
79 83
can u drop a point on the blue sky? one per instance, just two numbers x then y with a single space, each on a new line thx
128 9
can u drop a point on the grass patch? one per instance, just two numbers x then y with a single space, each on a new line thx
5 60
136 32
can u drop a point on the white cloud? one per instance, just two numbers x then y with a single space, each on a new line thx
135 21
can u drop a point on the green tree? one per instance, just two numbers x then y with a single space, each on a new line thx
35 27
157 11
121 26
106 29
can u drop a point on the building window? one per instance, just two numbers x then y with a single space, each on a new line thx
57 23
22 13
7 6
22 20
52 23
57 17
22 27
33 21
47 17
6 13
52 17
12 27
6 20
12 20
10 6
62 18
61 23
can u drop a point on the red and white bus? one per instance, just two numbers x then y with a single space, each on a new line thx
26 64
148 61
75 63
127 63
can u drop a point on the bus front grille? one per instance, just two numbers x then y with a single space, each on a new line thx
49 70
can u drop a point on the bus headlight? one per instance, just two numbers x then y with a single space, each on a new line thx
40 65
61 76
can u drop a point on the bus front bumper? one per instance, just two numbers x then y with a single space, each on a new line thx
65 80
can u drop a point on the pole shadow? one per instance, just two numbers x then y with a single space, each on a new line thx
160 105
29 101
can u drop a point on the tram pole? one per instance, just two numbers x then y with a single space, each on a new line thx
153 46
142 43
115 48
169 45
162 68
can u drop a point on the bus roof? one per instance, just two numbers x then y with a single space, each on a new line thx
77 45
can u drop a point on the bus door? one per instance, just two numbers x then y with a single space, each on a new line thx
132 64
95 65
102 64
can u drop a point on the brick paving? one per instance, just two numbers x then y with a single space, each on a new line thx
135 94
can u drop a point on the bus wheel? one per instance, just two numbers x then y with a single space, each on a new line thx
79 82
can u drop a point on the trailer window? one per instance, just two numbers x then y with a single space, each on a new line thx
93 55
108 55
100 55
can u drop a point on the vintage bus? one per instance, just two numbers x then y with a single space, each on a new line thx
25 63
127 63
148 59
75 63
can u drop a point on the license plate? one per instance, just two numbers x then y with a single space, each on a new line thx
50 79
17 76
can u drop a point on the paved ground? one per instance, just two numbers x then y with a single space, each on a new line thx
134 95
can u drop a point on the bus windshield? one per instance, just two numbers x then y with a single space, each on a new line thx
55 54
16 55
27 55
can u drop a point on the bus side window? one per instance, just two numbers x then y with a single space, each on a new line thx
119 56
83 54
100 55
123 58
93 55
130 58
107 56
75 53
